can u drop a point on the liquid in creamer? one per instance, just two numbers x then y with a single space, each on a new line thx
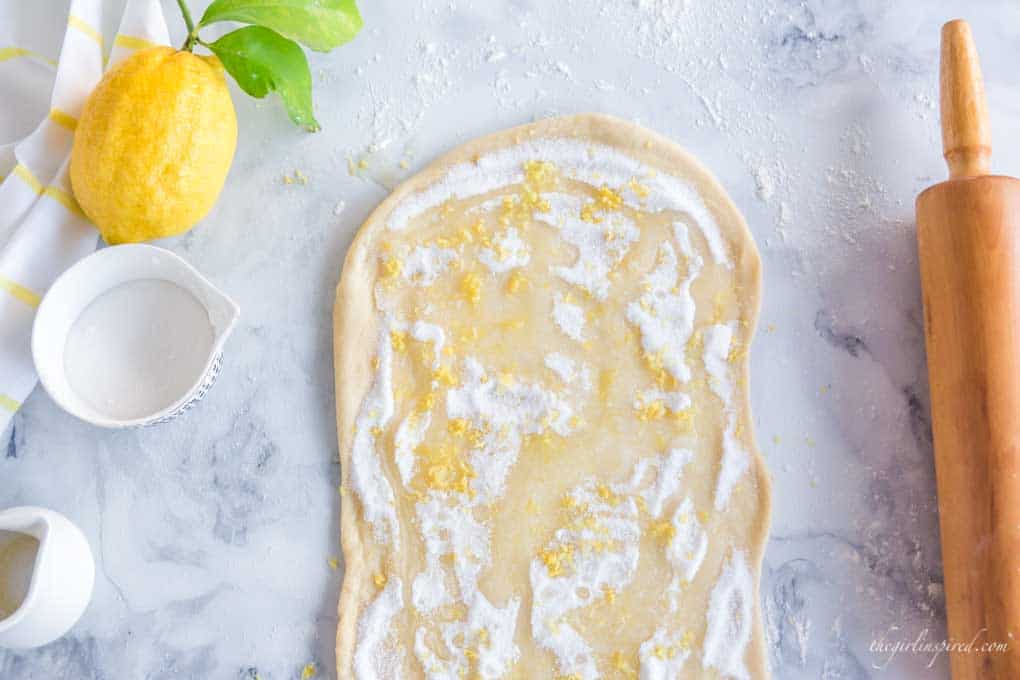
138 348
17 562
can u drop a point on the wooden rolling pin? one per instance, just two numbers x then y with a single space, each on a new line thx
968 234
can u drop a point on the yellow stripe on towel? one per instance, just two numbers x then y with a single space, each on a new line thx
85 28
56 193
65 199
26 295
63 119
131 42
30 179
13 52
8 403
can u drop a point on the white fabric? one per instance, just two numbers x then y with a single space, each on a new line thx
42 230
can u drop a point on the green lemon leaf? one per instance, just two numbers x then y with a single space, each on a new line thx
319 24
263 61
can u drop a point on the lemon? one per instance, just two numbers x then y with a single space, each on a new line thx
153 145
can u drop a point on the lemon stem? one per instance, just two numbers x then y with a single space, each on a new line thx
192 34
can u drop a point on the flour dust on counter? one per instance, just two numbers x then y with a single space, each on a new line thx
542 401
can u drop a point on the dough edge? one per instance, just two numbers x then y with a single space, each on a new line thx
354 330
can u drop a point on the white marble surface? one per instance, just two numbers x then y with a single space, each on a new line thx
212 533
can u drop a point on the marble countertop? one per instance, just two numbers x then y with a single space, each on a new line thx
213 533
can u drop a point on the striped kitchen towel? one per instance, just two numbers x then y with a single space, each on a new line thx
42 229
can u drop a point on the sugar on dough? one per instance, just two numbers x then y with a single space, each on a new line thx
542 402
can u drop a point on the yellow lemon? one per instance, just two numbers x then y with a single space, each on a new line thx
153 145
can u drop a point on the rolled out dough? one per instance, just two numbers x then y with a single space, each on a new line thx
541 373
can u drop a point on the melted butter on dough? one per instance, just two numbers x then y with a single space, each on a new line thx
542 406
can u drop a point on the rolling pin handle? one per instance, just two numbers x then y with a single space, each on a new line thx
966 138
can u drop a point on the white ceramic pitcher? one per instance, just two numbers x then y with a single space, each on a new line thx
62 576
97 274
